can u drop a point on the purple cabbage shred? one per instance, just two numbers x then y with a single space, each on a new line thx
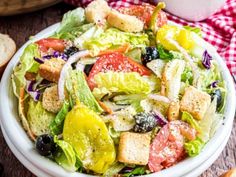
214 84
39 60
206 60
161 121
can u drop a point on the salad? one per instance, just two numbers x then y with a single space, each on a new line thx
119 92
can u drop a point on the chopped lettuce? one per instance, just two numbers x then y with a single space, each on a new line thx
194 147
131 99
135 54
157 66
196 30
92 32
115 135
39 119
99 93
130 83
186 117
27 64
164 54
136 171
113 36
114 169
78 88
207 122
71 24
56 125
66 156
187 75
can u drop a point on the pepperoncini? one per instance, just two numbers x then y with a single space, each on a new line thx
182 36
89 136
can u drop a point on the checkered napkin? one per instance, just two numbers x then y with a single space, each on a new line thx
219 29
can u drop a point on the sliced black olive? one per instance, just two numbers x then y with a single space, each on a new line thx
88 68
150 54
144 122
71 50
45 145
217 93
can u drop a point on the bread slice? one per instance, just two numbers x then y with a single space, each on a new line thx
230 173
124 22
7 50
134 148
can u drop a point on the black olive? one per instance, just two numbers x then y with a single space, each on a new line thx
71 50
144 122
217 93
150 54
45 145
88 68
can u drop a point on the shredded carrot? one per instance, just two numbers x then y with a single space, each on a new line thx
105 107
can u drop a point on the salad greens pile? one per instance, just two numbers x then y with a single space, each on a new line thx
132 103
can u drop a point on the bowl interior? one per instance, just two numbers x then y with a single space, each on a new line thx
18 137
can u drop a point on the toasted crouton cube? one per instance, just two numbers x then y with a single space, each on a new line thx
124 22
51 69
134 148
195 102
50 100
97 11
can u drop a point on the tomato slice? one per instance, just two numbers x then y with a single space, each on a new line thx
144 13
168 146
115 62
47 43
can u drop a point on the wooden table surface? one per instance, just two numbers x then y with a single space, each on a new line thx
20 27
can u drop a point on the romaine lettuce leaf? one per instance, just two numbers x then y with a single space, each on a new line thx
27 64
187 75
114 169
39 119
70 22
66 156
56 125
113 36
194 147
196 30
136 171
130 83
186 117
78 89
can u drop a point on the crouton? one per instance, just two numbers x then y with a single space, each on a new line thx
134 148
51 69
124 22
195 102
97 11
173 111
51 100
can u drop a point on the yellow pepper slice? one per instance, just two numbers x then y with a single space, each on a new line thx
89 136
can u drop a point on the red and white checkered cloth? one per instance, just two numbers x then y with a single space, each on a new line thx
219 29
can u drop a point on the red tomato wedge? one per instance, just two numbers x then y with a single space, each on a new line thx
144 13
115 62
168 146
47 43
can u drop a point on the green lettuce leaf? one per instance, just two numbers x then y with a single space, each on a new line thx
114 169
71 24
56 125
130 83
164 54
39 119
187 76
78 88
196 30
66 156
113 36
137 171
194 147
186 117
27 64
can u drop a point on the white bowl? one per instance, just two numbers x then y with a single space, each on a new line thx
20 140
193 10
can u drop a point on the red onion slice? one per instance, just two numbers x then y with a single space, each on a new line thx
75 57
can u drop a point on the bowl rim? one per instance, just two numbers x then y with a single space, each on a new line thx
13 127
